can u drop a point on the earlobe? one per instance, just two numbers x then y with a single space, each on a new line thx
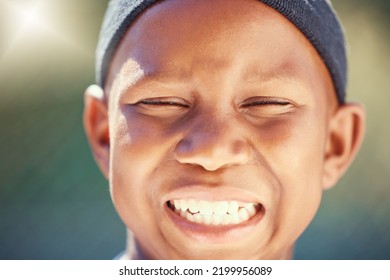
96 127
345 135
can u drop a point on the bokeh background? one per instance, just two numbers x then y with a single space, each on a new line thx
55 204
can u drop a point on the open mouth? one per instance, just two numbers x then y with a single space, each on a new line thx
214 213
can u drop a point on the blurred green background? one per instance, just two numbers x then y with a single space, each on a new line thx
55 204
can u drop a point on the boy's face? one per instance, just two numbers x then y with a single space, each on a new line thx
214 104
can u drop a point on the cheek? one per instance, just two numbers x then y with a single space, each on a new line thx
135 155
301 180
140 151
137 145
294 153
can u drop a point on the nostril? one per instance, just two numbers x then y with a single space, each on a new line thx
214 149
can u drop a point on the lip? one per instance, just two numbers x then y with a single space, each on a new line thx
212 234
212 194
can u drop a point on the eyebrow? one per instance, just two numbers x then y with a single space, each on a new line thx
137 77
157 77
158 80
183 78
284 71
163 79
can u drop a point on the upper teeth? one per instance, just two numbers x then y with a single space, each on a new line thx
214 212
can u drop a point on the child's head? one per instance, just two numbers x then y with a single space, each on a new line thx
221 124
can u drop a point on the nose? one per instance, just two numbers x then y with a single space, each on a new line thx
213 146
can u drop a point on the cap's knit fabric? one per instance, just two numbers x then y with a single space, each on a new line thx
316 19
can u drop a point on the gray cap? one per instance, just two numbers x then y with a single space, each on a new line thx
316 19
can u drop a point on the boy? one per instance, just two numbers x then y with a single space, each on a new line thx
220 123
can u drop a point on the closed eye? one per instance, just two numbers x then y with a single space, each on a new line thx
162 107
267 107
263 101
164 102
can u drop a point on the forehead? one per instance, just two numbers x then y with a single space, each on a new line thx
180 39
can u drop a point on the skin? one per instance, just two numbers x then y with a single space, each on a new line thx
217 99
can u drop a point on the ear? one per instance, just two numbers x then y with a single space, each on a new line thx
345 135
96 126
